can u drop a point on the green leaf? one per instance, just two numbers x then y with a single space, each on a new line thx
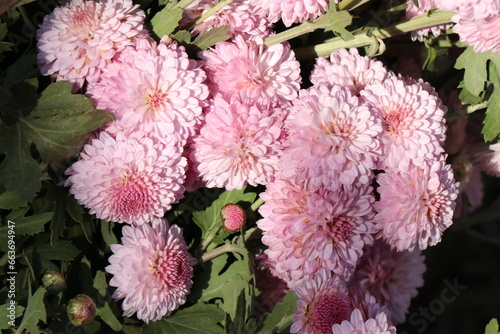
210 37
338 21
199 318
210 220
5 314
57 99
166 21
491 122
11 200
63 251
19 171
35 312
492 327
105 311
29 225
24 68
475 67
281 317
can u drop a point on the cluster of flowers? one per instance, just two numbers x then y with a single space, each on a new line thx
355 173
475 21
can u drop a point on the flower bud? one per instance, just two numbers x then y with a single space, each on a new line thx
81 310
54 281
233 217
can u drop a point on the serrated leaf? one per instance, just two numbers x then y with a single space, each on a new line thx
11 200
210 37
199 318
19 171
166 21
475 68
182 37
105 311
29 225
492 327
491 124
61 136
209 220
57 99
63 251
35 312
5 314
281 317
24 68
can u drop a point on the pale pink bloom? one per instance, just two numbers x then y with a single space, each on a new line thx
152 270
366 303
333 140
307 231
152 89
412 119
423 7
253 72
476 22
415 205
392 277
128 180
322 302
348 69
357 324
78 40
239 144
489 159
472 187
238 16
290 11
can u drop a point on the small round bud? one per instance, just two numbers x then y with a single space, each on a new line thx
81 310
54 281
233 217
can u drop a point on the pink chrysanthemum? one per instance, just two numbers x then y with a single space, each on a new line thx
239 144
416 205
307 231
127 180
366 303
237 16
357 324
392 277
253 72
290 11
333 141
348 69
423 7
476 22
152 270
413 122
78 40
152 89
322 302
489 159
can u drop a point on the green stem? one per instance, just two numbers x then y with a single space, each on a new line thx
302 29
256 204
212 11
182 4
351 4
227 248
364 38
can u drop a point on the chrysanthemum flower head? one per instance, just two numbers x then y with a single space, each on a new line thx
152 270
357 324
423 7
412 120
253 72
333 140
152 89
323 302
290 11
309 231
348 69
415 205
392 277
78 40
238 16
489 159
128 180
239 144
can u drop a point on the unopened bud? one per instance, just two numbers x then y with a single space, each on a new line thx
81 310
233 217
53 281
